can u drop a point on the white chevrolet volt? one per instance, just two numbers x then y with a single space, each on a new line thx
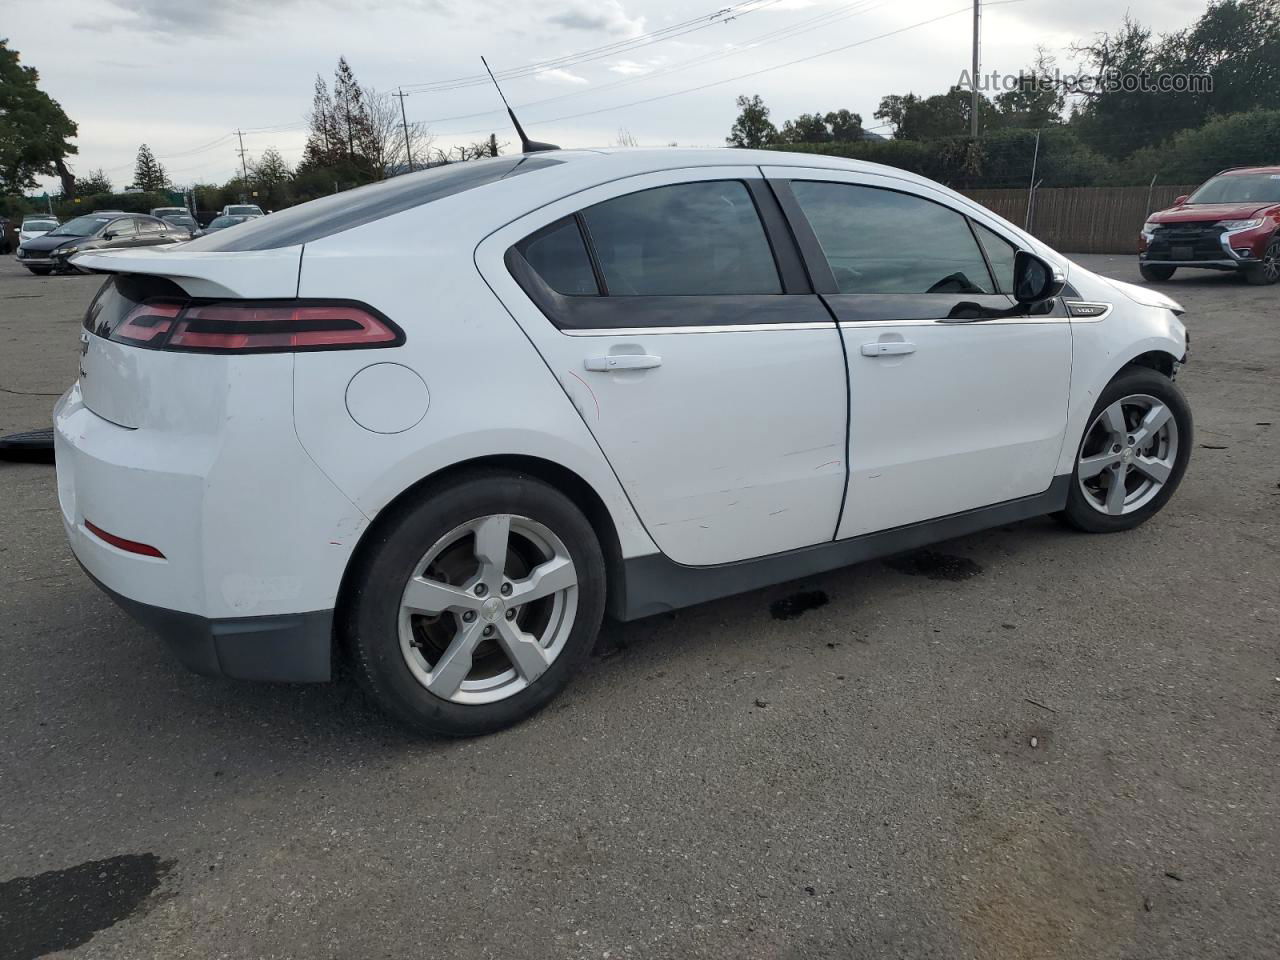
436 428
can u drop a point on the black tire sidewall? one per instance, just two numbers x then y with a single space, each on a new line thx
1134 380
387 559
1255 275
1156 272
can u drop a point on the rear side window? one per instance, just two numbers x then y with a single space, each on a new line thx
881 241
559 256
688 239
150 226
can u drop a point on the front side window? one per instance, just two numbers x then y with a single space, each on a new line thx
1000 253
687 239
881 241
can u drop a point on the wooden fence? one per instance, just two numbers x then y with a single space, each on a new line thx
1082 219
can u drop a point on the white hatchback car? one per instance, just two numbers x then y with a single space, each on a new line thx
437 427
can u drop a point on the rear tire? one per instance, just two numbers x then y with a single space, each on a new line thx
40 271
452 644
1267 272
1155 272
1132 455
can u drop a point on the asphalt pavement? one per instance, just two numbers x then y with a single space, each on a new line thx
1029 743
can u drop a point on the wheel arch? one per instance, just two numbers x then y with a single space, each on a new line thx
1162 361
555 475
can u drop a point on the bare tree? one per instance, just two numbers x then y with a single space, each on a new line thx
386 146
625 139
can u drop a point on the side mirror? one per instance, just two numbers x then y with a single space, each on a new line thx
1035 280
1179 201
110 235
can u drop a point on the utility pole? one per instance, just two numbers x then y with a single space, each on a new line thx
1031 187
244 167
973 120
407 151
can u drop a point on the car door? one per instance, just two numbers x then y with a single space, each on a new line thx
688 337
952 406
120 234
152 232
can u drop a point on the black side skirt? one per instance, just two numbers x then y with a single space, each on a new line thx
654 584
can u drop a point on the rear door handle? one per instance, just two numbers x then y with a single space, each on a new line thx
623 361
887 348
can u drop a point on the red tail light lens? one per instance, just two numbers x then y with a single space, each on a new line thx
130 546
254 326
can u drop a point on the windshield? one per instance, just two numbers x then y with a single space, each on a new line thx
168 211
1240 188
39 224
225 222
80 227
241 209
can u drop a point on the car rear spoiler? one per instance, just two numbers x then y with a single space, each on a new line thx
268 274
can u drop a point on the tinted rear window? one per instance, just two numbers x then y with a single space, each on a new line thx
308 222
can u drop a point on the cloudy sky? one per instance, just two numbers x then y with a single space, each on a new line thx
182 75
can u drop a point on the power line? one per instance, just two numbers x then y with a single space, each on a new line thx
741 76
702 22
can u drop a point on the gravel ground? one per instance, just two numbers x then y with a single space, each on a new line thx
1027 743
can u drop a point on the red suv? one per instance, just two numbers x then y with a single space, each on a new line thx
1231 223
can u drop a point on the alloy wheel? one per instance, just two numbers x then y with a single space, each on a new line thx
1128 454
1271 262
488 609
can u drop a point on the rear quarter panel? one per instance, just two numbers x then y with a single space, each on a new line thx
490 393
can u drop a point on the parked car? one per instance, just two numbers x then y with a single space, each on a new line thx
1232 222
227 220
629 381
184 222
164 213
33 227
242 209
51 252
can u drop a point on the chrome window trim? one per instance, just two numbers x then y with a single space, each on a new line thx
719 328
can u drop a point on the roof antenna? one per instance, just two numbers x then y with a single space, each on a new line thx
526 145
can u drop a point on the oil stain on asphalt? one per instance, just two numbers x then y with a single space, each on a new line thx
788 608
61 909
934 565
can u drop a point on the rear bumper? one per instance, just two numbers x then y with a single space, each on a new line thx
285 648
252 539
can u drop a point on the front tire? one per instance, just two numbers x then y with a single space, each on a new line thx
472 606
1155 272
1268 271
1132 455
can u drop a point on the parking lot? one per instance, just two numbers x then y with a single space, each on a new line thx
1026 743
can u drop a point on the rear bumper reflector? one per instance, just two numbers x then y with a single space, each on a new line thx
129 546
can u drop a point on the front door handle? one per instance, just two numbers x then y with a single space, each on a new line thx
623 361
887 348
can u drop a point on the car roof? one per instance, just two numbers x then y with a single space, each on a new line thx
1245 171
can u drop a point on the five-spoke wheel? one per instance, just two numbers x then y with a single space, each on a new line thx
488 609
1132 454
473 602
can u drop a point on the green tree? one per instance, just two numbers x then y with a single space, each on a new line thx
752 128
270 169
34 130
1037 101
845 127
94 183
806 128
148 173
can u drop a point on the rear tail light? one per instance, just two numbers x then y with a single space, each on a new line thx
253 326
